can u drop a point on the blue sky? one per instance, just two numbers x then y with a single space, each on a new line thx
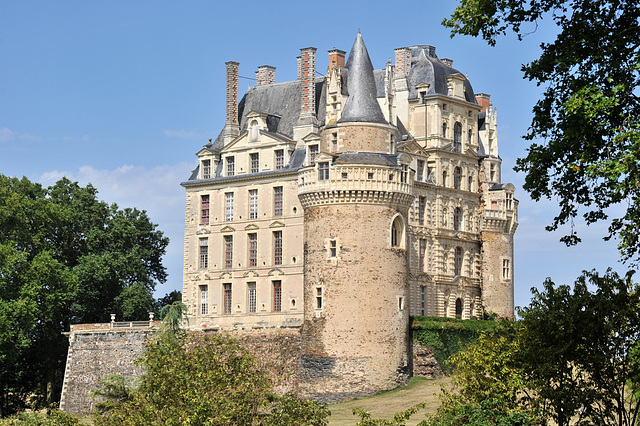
122 94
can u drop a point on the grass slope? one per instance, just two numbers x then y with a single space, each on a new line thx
385 404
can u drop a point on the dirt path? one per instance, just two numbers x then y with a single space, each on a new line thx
384 405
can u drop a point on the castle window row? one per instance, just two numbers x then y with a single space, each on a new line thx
252 250
251 298
253 206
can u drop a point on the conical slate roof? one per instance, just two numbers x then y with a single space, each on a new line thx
361 105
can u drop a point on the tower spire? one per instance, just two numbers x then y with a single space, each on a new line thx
362 105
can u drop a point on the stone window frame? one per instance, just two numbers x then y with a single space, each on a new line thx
276 286
323 170
230 162
204 299
279 159
228 206
397 231
228 251
253 204
205 202
252 249
206 169
227 298
252 297
278 201
254 162
203 252
277 247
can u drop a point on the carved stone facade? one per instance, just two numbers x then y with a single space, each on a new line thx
344 204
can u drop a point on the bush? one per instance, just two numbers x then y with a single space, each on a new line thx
448 336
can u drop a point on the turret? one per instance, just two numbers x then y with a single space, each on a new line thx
356 199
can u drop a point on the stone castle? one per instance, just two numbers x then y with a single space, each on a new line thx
341 205
327 211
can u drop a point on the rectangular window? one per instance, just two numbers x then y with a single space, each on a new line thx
323 171
277 201
277 296
204 300
227 298
420 171
255 162
422 204
333 248
318 297
228 206
204 253
204 209
277 247
228 251
231 166
206 169
334 142
422 252
506 269
253 204
279 159
253 250
251 297
313 151
509 201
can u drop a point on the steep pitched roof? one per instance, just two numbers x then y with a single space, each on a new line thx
361 105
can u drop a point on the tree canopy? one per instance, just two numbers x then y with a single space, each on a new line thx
65 257
587 123
573 357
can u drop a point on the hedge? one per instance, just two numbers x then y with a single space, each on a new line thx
446 336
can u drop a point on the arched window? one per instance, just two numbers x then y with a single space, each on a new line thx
444 130
253 131
469 136
444 178
457 218
457 261
457 177
457 137
397 232
470 183
458 308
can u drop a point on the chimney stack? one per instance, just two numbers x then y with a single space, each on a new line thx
482 99
308 78
403 62
232 128
266 74
336 58
448 62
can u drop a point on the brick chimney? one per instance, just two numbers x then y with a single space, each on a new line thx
403 62
308 77
336 58
231 128
266 74
483 100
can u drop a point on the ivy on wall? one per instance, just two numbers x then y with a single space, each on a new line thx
447 336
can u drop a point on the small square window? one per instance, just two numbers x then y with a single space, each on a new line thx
344 175
370 175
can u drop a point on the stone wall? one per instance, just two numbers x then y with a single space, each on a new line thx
95 351
424 363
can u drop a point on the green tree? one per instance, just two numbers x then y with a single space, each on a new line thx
589 115
573 356
196 379
65 257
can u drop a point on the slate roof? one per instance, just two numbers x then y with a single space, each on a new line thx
367 158
361 105
427 68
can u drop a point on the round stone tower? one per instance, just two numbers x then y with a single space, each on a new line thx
355 337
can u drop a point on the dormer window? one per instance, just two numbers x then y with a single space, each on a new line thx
423 97
254 132
206 169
